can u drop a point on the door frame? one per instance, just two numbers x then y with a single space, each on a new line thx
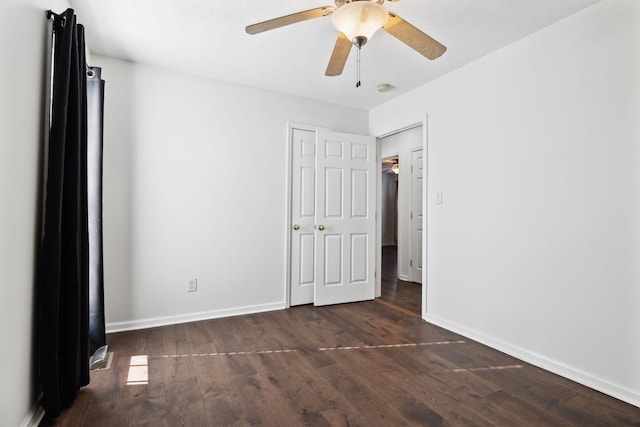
412 234
425 204
425 221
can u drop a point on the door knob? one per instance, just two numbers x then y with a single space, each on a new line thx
321 227
296 227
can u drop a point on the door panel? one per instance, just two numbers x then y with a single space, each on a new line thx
307 259
332 259
333 184
345 209
307 192
359 188
359 245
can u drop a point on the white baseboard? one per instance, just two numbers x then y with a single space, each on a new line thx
35 414
404 277
584 378
153 322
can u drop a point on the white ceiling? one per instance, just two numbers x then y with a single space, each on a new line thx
207 38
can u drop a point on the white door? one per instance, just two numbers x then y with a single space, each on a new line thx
345 218
415 263
303 215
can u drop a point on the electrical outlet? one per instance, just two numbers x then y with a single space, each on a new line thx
192 284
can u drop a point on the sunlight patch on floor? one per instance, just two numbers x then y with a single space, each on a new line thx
138 370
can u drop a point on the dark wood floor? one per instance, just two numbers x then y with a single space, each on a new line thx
399 293
362 364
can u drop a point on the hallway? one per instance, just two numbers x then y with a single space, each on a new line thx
396 292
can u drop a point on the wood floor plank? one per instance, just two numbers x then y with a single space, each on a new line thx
232 391
302 386
581 408
184 404
390 383
147 409
279 400
107 414
362 396
523 412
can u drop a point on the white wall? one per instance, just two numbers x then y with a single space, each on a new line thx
401 144
22 71
535 249
195 186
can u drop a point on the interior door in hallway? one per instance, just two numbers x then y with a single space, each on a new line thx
345 218
417 186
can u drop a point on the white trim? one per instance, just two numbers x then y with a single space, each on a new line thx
412 236
191 317
35 414
391 156
425 204
581 377
402 129
425 212
287 226
378 216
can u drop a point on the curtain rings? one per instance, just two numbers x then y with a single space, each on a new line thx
52 15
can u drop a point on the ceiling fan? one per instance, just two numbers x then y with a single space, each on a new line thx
356 21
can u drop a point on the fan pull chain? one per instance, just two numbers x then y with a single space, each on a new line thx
358 68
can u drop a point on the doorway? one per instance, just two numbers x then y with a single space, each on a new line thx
401 219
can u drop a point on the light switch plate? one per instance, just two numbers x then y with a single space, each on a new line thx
438 197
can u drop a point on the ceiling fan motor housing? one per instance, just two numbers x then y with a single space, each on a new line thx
359 19
341 3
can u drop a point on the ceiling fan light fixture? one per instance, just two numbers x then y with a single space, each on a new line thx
359 20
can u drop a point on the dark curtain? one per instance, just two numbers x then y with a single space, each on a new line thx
63 273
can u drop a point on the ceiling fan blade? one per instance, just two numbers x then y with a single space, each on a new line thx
413 37
339 56
289 19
